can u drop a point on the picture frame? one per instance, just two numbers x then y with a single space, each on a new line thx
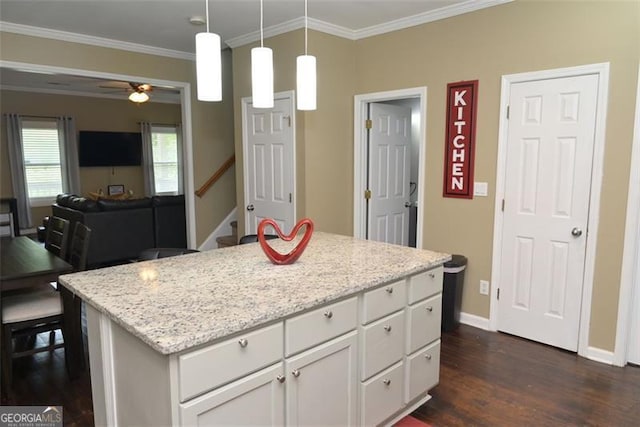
114 190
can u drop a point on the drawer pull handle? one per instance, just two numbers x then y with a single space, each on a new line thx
295 373
243 342
389 290
427 356
387 382
280 378
429 309
432 275
387 328
328 314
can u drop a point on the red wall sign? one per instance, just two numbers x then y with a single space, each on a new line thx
460 146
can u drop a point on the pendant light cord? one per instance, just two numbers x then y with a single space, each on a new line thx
306 25
206 11
261 26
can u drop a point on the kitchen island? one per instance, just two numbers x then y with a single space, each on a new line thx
347 335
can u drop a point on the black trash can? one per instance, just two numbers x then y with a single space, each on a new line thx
453 282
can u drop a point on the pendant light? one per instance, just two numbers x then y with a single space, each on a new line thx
262 71
306 73
208 64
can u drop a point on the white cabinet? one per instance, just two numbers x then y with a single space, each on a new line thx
256 400
322 386
382 395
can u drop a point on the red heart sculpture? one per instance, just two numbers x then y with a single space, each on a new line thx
275 256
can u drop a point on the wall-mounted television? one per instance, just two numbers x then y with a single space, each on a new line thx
97 148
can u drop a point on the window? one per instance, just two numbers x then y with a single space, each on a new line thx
41 151
166 159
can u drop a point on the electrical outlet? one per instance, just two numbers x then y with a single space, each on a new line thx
484 287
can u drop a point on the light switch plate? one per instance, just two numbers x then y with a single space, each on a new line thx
480 189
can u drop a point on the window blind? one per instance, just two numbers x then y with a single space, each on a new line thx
41 151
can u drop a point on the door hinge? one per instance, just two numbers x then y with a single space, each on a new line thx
367 194
290 198
368 124
507 111
502 205
498 293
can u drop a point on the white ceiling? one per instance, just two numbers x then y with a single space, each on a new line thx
163 26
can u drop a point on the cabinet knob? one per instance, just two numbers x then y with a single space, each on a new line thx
389 290
328 314
243 342
432 275
280 378
387 382
429 309
427 356
295 373
387 328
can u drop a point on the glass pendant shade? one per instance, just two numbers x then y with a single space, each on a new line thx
138 97
208 67
262 77
306 82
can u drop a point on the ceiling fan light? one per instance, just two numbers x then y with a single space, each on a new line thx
138 97
306 82
208 67
262 77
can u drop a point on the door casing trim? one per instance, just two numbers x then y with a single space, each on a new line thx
360 154
245 101
602 70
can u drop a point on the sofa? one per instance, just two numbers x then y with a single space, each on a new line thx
121 229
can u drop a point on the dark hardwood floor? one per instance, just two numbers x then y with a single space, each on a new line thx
486 379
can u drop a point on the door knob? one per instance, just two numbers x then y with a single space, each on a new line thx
576 232
407 204
250 208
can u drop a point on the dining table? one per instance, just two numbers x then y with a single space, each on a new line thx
25 263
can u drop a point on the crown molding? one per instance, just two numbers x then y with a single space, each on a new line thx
423 18
47 33
49 91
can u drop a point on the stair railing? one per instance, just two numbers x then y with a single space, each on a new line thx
216 176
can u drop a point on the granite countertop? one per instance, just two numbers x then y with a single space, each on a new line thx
173 304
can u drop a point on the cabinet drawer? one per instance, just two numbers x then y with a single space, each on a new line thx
382 395
385 300
382 344
320 325
424 323
422 371
207 368
425 284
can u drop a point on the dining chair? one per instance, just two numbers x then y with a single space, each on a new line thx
252 238
79 247
57 236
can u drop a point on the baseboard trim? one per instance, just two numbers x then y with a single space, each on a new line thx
475 321
223 229
600 355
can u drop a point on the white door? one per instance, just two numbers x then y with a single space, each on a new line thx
389 151
633 355
547 190
269 165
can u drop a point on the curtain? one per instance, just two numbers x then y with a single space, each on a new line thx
69 155
16 164
147 159
180 160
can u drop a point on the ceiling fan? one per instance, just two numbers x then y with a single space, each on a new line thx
139 94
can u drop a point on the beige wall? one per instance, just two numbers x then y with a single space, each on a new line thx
212 123
97 114
323 137
517 37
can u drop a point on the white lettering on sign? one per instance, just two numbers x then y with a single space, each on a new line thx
458 158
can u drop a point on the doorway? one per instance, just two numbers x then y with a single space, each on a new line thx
368 222
185 104
550 157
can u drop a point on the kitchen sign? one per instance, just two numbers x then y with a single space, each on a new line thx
459 153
